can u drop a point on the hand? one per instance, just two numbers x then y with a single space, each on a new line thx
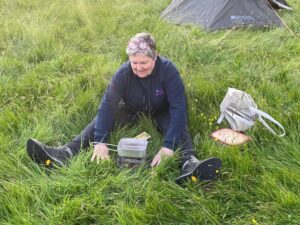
101 152
163 152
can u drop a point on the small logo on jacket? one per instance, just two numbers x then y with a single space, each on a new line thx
159 92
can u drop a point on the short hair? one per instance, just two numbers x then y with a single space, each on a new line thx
142 43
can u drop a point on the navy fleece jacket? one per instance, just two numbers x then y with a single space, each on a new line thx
161 91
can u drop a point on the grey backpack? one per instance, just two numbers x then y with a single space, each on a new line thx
241 112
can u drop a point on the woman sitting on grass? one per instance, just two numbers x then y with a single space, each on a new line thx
147 84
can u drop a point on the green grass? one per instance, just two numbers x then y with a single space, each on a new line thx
56 58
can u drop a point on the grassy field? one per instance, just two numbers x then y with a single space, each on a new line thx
57 57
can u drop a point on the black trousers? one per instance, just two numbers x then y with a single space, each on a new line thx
126 116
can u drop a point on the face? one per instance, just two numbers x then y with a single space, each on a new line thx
142 65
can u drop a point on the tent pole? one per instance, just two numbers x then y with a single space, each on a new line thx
284 23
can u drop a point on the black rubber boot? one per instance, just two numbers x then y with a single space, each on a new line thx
46 155
205 170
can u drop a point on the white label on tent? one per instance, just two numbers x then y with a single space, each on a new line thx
242 19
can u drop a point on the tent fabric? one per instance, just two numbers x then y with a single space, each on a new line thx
221 14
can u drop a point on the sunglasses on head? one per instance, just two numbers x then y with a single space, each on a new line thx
138 45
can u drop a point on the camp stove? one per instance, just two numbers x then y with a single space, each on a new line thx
131 152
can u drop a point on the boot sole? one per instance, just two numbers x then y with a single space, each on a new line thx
37 153
205 171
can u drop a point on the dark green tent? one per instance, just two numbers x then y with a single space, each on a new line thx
222 14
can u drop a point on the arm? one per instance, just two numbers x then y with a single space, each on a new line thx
106 116
174 88
177 109
109 105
